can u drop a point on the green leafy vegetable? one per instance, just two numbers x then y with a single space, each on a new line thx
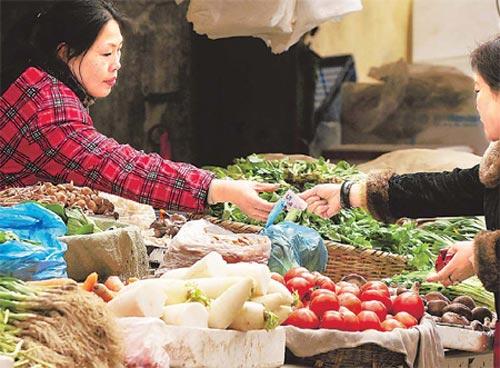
355 227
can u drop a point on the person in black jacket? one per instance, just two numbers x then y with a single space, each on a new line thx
461 192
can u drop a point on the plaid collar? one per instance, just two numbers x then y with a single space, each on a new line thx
62 73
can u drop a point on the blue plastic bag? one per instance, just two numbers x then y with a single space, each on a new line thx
31 261
294 245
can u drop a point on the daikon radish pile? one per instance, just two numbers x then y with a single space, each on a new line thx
211 293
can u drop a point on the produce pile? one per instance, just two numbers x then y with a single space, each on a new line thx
67 195
209 294
54 324
355 227
472 287
352 304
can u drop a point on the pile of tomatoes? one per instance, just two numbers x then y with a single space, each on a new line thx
348 306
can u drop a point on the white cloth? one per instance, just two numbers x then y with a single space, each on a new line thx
421 345
280 23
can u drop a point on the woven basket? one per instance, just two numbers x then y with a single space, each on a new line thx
367 355
343 259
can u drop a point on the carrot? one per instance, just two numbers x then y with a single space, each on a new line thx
114 283
90 281
103 292
131 280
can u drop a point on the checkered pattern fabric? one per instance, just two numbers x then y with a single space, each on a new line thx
46 134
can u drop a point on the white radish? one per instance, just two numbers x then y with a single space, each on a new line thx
178 273
278 287
175 290
250 317
147 300
270 301
209 266
224 309
258 272
213 287
282 313
186 314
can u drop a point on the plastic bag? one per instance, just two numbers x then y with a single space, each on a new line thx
37 254
294 245
144 341
198 238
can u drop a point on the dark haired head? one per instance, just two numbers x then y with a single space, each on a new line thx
485 60
73 23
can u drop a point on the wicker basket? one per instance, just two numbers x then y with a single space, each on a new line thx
367 355
342 259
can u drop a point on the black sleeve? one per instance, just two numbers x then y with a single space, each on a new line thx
455 193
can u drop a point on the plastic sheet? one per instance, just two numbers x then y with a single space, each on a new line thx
42 255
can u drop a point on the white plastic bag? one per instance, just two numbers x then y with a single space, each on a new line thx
280 23
222 18
198 238
145 339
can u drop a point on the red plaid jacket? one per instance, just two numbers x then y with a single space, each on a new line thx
46 134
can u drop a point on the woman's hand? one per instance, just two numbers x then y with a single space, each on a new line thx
323 200
460 267
243 194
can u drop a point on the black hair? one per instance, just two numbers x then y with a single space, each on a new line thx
36 39
485 60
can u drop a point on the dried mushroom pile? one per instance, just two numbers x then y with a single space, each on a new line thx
67 195
167 224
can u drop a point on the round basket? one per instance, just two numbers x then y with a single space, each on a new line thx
343 259
367 355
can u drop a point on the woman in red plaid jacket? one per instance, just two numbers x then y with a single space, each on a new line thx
72 57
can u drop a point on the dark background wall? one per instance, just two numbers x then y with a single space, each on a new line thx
218 99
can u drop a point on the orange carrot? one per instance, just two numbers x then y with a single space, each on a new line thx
103 292
90 281
114 283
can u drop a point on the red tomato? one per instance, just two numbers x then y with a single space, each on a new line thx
317 292
332 320
351 321
351 302
317 274
409 302
277 277
373 294
391 324
310 278
303 318
376 285
300 285
375 306
353 289
406 318
323 303
369 320
324 282
294 272
342 284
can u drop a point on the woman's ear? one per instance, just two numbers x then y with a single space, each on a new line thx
63 52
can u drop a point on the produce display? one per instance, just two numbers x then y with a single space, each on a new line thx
209 294
67 195
355 227
352 304
466 304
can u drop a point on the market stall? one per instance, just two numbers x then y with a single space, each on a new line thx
222 289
